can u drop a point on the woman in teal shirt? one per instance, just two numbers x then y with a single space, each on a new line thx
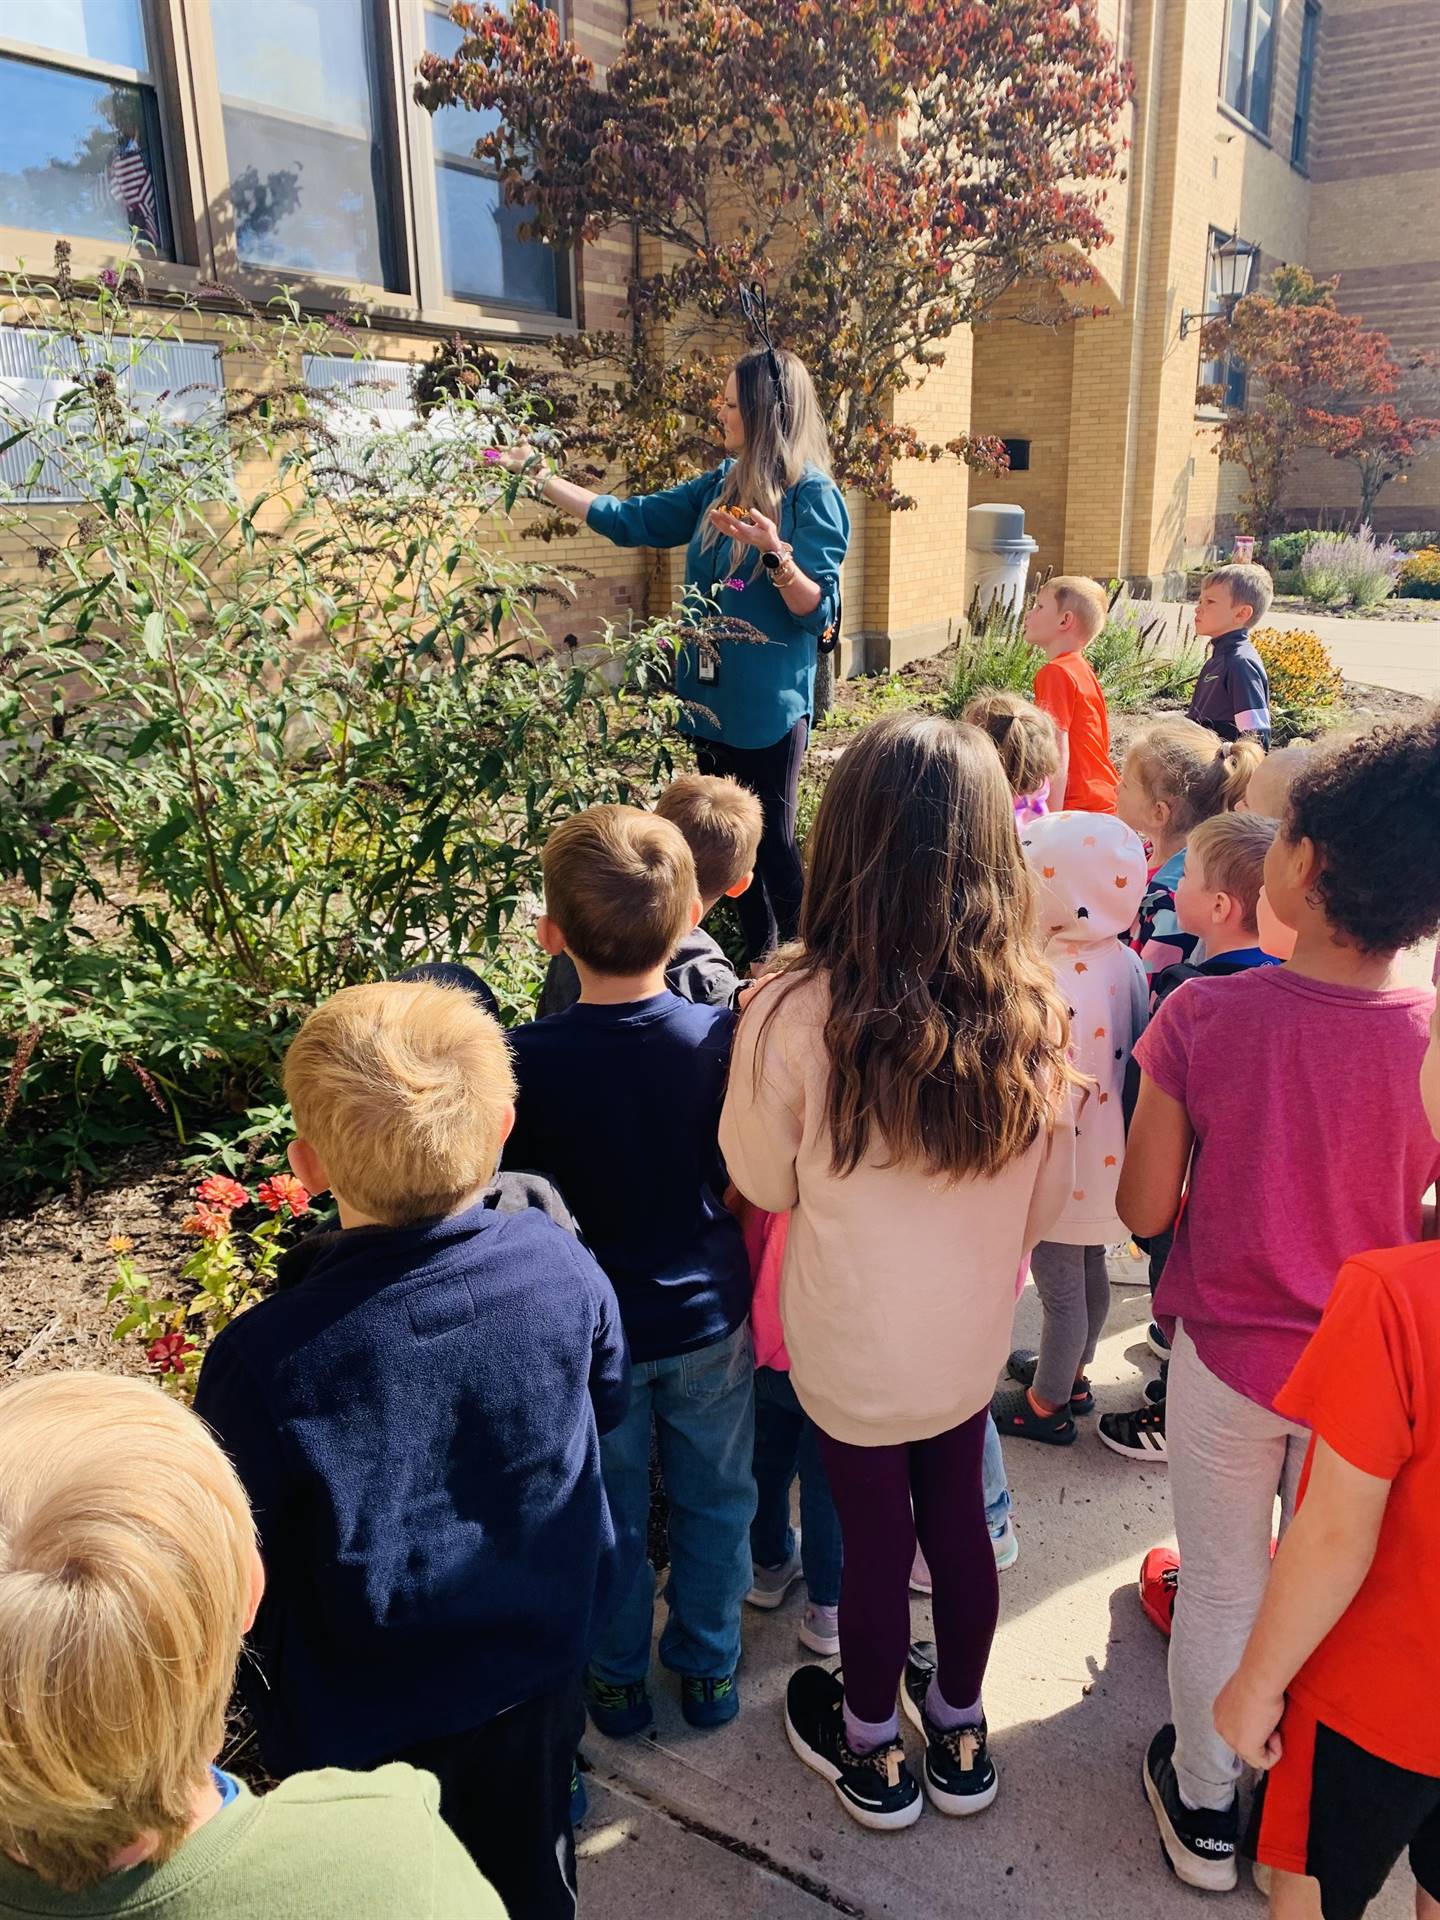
777 569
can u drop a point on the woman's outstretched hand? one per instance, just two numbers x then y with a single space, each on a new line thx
757 531
514 459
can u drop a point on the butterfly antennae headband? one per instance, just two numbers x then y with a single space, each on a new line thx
755 308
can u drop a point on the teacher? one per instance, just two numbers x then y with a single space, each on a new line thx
765 535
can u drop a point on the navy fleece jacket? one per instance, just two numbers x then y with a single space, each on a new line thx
415 1416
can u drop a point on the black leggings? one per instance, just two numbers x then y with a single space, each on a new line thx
769 909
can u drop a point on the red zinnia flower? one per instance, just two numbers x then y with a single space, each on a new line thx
167 1354
219 1190
283 1190
208 1223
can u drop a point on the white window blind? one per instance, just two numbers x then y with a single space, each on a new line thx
169 383
368 432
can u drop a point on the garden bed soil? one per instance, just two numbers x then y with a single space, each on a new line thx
56 1266
1301 608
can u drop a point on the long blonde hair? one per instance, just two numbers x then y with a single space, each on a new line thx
774 456
945 1032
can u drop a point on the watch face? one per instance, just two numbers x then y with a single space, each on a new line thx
771 562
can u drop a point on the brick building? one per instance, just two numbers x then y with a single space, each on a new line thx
1307 129
275 141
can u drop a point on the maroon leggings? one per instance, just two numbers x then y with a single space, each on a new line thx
885 1496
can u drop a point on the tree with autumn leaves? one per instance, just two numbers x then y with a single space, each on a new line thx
1318 378
889 168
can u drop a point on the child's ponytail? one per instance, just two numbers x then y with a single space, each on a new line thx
1235 761
1194 771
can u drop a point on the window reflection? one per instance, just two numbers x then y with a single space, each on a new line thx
81 156
482 256
300 95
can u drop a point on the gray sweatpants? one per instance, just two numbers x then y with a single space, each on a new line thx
1074 1288
1229 1457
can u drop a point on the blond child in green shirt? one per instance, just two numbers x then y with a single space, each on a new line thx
128 1577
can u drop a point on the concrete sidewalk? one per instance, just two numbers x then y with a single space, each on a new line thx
1403 655
729 1825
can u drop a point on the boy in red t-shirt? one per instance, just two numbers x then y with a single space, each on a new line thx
1338 1687
1068 613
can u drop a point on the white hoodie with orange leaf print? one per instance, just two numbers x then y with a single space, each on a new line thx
1091 872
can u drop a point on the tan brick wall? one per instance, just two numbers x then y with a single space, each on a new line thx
1375 212
1143 487
1022 390
1124 477
919 555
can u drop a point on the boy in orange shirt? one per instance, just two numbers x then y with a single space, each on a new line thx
1068 613
1335 1696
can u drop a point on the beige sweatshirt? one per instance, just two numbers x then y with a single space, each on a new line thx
898 1288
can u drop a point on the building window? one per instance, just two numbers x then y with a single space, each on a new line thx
300 94
80 148
1305 83
1248 78
1018 454
171 384
482 256
1227 375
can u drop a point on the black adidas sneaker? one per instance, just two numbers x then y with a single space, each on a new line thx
1199 1845
876 1789
1137 1436
960 1776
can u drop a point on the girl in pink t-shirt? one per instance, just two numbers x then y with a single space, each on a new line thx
1288 1097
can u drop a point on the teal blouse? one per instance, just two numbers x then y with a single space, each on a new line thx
760 689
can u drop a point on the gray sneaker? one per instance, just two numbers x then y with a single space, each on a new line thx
769 1585
820 1630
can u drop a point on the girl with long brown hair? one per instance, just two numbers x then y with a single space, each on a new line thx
901 1088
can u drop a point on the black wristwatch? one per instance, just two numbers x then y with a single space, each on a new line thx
772 562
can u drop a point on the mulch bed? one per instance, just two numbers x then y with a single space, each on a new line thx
1296 604
55 1266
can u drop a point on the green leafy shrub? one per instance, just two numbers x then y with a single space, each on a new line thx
1305 683
1353 570
1133 668
993 653
1416 542
1285 551
261 740
1420 575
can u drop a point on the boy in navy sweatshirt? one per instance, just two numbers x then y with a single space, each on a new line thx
416 1419
620 1105
1232 694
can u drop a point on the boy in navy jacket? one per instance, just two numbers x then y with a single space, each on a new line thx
416 1418
620 1106
1232 694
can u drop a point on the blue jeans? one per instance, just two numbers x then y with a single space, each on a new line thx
785 1443
996 1485
703 1405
